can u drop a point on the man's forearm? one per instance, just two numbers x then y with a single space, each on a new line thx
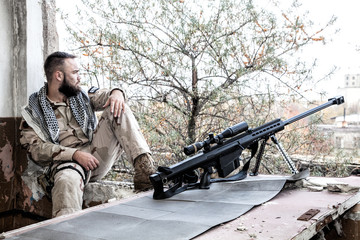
99 98
44 152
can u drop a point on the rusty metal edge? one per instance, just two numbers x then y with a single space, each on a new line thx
333 214
308 215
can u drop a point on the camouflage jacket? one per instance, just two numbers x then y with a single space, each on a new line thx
71 137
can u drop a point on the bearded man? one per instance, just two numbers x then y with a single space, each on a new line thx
61 133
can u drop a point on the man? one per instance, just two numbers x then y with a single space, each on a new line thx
60 132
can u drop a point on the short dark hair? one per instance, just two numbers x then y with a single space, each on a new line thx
55 61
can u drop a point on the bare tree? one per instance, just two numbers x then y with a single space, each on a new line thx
202 65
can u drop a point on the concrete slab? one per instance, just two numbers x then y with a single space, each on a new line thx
277 218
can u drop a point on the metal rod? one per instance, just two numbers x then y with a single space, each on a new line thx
332 101
285 156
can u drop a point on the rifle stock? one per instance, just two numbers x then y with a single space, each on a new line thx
221 152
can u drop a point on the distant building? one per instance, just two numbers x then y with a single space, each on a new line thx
348 120
351 92
344 133
346 138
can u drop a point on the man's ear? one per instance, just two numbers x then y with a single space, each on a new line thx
59 75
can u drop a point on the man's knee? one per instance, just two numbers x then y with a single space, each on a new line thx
67 193
68 179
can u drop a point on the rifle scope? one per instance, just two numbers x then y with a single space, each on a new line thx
229 132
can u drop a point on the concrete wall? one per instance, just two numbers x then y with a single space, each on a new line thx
24 42
35 46
6 105
22 54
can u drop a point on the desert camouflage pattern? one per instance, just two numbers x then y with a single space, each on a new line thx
111 137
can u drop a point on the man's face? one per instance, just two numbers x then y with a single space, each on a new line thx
71 82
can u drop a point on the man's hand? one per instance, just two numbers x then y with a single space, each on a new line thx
88 161
116 102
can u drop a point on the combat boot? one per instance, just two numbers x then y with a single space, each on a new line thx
144 167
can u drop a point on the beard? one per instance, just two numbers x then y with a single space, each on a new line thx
67 89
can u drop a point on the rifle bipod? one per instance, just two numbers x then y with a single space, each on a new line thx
281 149
285 156
255 170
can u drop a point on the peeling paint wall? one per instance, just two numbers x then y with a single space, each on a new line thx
7 172
6 160
27 34
17 202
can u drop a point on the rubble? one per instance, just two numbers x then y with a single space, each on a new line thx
106 191
320 184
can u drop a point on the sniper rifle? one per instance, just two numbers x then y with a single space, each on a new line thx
222 152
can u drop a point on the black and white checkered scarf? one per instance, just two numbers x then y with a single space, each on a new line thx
42 114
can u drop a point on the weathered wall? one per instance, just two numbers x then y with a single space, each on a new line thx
17 205
5 58
24 44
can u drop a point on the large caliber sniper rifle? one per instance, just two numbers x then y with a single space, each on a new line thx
222 152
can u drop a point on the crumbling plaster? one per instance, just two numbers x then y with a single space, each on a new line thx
27 35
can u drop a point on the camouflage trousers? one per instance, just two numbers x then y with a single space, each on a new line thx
110 138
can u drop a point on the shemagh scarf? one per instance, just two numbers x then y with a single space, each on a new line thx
43 115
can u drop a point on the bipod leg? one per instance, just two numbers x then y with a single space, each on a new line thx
255 170
284 154
205 178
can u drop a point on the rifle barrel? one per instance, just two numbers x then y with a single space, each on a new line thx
336 100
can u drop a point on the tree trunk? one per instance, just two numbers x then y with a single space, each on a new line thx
195 104
192 120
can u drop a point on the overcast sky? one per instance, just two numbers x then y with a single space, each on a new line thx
340 51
